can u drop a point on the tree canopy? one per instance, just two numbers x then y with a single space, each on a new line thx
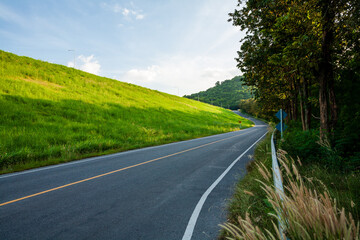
304 57
296 53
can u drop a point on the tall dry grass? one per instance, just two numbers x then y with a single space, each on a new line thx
305 212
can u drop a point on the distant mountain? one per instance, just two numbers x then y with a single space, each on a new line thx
225 94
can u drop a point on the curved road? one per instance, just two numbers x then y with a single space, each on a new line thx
150 193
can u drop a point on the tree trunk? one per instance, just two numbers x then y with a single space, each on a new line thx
296 93
290 103
307 106
288 110
324 126
325 67
308 115
333 105
302 113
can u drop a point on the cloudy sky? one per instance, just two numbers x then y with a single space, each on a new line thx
175 46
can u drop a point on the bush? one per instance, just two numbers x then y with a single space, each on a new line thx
307 146
303 144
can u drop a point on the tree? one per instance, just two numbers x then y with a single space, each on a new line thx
293 48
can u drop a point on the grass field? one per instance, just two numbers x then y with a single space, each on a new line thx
51 113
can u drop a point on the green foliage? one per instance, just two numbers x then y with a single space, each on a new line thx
307 146
226 94
302 144
343 186
51 113
345 140
304 57
252 107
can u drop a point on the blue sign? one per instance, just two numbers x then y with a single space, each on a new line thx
278 114
278 126
281 114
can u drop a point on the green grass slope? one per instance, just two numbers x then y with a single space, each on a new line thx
51 113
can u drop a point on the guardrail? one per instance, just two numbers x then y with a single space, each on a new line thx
277 179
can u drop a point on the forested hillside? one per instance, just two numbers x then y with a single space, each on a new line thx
225 94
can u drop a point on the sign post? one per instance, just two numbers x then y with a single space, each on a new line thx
240 124
281 114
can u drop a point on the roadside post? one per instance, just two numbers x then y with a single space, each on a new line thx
240 124
281 126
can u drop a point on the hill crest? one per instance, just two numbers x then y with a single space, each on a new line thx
51 113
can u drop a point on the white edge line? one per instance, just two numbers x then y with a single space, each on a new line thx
194 216
6 175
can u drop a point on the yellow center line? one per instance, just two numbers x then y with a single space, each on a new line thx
115 171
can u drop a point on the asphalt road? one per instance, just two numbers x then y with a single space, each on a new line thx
149 193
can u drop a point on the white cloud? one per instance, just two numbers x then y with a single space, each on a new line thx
140 16
88 64
126 12
148 74
181 75
132 13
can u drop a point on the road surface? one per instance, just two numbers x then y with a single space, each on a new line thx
163 192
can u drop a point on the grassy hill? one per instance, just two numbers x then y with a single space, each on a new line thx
51 113
227 94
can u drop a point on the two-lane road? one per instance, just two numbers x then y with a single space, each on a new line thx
163 192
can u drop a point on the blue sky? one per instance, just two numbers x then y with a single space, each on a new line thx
175 46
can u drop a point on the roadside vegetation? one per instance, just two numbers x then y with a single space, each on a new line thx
303 57
319 202
306 210
51 113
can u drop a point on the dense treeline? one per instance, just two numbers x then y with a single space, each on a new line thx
304 57
252 107
225 94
